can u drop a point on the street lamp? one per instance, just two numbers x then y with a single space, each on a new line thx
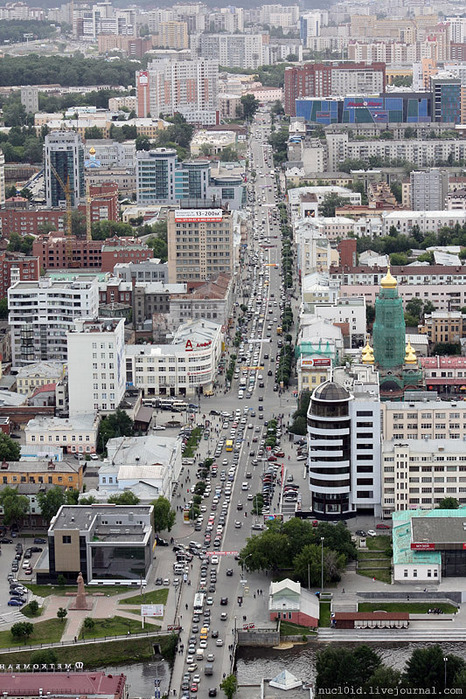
321 563
445 661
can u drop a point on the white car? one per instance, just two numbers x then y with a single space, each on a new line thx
203 644
371 532
219 642
214 560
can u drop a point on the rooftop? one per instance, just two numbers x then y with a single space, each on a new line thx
88 517
75 684
443 362
142 451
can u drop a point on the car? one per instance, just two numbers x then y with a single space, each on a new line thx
192 667
35 549
210 658
212 691
166 581
381 525
239 506
360 532
219 642
257 526
203 645
223 601
5 540
28 571
15 602
223 616
229 572
39 540
196 678
214 560
209 601
371 532
237 524
185 685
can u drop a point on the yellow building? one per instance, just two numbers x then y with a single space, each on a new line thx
173 35
62 473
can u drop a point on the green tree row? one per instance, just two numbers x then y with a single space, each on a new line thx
13 30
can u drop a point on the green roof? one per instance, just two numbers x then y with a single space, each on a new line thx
401 537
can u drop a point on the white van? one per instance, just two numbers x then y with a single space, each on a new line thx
200 654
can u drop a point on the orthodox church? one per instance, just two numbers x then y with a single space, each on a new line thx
397 364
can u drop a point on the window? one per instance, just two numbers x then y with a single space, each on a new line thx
66 539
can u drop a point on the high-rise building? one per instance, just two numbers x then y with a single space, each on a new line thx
30 98
96 364
343 428
187 87
429 189
41 313
63 154
446 90
161 179
325 80
173 35
232 50
200 244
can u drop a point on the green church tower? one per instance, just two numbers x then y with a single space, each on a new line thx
389 329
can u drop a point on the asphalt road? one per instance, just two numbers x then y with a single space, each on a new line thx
260 277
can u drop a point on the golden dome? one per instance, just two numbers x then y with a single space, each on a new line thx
367 354
388 282
92 150
410 355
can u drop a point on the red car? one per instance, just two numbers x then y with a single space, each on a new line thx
281 454
272 458
381 525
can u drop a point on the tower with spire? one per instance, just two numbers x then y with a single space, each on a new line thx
396 361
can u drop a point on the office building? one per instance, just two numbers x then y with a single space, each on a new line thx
151 270
41 313
446 90
325 80
63 156
429 419
30 98
96 366
75 435
386 108
343 427
187 87
200 244
429 189
155 173
33 376
106 543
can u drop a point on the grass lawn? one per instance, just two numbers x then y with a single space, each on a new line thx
382 574
378 543
152 597
324 614
49 631
289 629
411 607
115 626
94 655
46 590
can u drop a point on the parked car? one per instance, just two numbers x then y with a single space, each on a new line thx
39 540
371 532
382 525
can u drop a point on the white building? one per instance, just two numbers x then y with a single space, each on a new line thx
96 365
314 252
185 367
151 270
152 463
316 288
75 435
343 427
41 313
320 191
349 314
232 50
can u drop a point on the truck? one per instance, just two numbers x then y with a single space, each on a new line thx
208 669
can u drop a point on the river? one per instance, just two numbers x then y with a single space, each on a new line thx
264 662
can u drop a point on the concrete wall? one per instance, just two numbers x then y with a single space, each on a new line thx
258 638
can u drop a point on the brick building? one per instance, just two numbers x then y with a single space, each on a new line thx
29 221
25 268
123 250
52 251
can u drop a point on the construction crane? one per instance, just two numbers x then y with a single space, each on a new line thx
68 220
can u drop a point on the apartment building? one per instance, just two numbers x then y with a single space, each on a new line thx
444 326
431 419
232 50
173 35
187 87
65 474
40 314
200 244
96 366
151 270
429 189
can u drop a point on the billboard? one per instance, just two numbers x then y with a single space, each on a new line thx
198 215
152 609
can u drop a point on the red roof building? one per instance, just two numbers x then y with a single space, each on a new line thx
97 685
445 371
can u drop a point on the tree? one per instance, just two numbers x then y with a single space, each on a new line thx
229 686
125 498
118 424
307 565
164 516
398 258
384 677
269 551
50 502
4 308
62 613
250 106
330 203
228 155
78 224
414 308
370 315
396 189
341 667
142 143
90 500
427 668
447 348
448 504
22 630
89 623
33 607
15 506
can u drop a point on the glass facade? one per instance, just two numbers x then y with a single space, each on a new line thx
365 109
120 562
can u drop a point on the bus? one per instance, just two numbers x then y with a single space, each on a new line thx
229 445
179 405
199 598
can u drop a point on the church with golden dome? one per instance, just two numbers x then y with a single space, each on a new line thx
396 361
